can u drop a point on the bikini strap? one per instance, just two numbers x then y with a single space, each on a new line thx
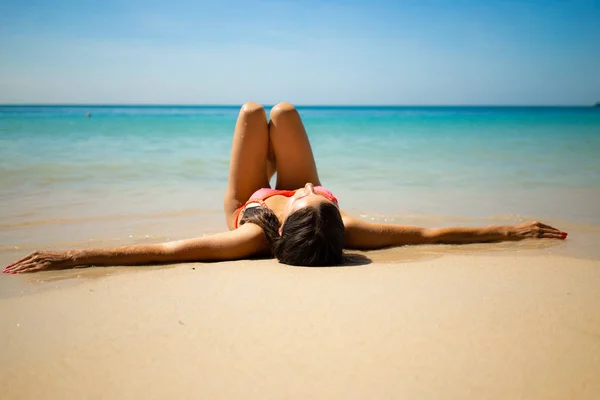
240 210
327 194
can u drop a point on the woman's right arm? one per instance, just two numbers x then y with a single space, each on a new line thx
244 242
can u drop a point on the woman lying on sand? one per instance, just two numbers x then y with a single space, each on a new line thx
297 222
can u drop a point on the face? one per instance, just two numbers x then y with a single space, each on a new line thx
304 197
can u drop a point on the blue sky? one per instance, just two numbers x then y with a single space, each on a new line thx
307 52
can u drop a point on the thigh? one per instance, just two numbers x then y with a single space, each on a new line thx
294 159
248 164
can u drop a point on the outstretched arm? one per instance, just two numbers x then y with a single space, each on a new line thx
363 235
247 241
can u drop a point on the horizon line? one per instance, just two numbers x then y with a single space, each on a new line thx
272 105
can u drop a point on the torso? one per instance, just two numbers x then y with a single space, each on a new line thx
274 200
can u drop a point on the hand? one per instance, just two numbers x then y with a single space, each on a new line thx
536 230
39 261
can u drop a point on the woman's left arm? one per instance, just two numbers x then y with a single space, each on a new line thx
363 235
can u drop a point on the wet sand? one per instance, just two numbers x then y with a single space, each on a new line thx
479 325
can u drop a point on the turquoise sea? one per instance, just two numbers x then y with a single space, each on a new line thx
147 173
355 147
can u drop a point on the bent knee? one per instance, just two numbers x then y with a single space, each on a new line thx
282 108
251 108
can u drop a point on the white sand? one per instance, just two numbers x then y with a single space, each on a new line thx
460 326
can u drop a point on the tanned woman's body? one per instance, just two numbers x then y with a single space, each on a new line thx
259 149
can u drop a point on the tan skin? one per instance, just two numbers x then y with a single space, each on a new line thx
259 149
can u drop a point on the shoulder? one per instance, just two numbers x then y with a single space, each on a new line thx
349 220
248 240
248 232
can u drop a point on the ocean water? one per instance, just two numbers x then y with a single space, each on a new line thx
147 173
355 147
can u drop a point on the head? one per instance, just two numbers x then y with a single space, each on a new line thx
312 232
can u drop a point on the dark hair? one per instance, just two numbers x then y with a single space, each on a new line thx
311 236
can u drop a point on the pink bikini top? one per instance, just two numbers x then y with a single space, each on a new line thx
262 194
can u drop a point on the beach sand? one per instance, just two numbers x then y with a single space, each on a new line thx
477 325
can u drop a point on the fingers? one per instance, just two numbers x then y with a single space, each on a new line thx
22 267
29 263
34 268
551 234
544 226
16 265
546 231
27 257
10 268
36 261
